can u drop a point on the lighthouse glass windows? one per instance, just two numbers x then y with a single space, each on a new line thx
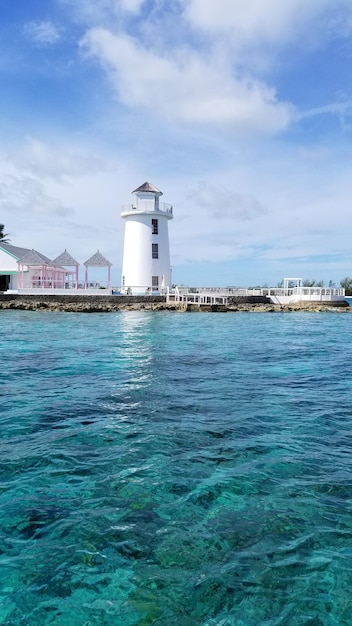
155 229
155 251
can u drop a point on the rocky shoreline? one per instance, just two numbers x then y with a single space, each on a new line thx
107 304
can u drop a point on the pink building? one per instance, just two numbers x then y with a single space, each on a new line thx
28 271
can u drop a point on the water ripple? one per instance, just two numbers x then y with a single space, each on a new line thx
175 469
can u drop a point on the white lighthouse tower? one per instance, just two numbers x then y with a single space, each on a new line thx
146 255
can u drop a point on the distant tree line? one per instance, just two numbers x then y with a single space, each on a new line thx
347 284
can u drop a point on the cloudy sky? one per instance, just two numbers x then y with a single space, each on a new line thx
240 111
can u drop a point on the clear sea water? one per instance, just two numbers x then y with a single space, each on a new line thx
176 469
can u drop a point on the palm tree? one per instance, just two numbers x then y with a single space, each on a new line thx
3 235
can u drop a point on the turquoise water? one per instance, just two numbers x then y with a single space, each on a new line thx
175 469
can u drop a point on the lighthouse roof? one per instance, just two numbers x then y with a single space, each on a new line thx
148 187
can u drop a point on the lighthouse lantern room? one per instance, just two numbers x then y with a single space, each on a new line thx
146 254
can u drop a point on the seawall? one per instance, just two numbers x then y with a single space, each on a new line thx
93 304
78 303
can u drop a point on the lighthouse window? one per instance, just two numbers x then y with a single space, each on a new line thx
154 226
155 283
155 251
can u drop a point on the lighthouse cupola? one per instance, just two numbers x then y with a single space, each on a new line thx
146 253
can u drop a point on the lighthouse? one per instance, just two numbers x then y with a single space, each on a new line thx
146 253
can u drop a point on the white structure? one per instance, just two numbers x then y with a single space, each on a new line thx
146 255
292 292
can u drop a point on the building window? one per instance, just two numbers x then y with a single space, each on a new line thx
155 283
155 251
155 226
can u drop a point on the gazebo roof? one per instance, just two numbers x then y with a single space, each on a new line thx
97 260
65 259
32 257
148 187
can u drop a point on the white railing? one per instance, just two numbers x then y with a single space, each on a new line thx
277 295
222 291
147 207
54 284
140 290
99 287
262 291
306 293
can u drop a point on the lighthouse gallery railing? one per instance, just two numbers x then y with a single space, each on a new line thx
145 207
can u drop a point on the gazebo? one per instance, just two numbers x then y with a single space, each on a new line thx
42 271
68 261
97 260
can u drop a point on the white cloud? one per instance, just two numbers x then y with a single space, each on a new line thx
187 87
342 109
258 34
102 12
49 209
133 6
307 214
223 203
253 22
314 153
26 196
42 33
42 160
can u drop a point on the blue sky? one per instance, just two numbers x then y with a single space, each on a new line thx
240 111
